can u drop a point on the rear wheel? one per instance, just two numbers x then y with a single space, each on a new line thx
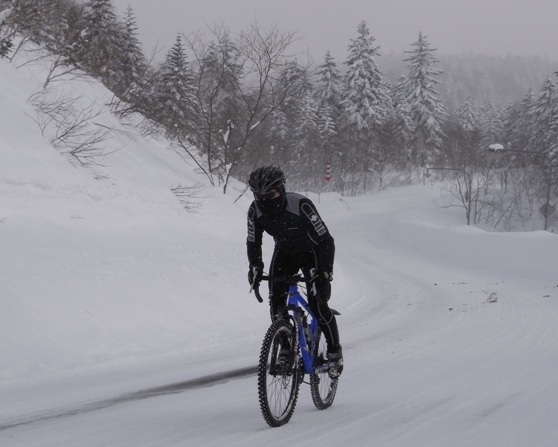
279 377
322 386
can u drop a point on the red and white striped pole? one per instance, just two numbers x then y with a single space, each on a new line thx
328 172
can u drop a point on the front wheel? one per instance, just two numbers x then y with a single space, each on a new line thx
322 386
279 374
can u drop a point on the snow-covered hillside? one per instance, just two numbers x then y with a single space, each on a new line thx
115 300
82 245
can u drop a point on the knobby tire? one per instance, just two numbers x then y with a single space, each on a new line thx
278 385
322 386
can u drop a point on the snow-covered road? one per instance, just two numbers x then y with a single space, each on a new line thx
430 361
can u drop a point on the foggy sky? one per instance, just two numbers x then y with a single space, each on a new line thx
493 27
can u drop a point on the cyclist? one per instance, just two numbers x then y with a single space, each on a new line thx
302 242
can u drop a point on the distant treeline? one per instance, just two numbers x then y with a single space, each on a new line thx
232 102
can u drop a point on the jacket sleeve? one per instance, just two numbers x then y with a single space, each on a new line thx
254 239
317 230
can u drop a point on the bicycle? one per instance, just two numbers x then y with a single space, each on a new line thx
292 347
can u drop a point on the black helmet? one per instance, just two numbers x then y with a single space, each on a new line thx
266 178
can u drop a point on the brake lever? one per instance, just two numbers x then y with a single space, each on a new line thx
255 286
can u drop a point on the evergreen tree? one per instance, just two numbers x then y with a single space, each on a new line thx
468 116
328 94
69 36
552 160
328 132
542 116
102 41
292 131
366 103
366 100
39 21
133 64
54 25
329 86
465 138
517 123
308 154
278 137
175 93
402 122
427 111
544 139
302 109
28 16
491 124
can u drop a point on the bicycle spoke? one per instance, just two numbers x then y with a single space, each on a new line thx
277 377
322 387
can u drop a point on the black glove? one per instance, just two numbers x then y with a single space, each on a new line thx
255 274
321 275
320 284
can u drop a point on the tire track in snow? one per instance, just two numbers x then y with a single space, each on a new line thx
173 388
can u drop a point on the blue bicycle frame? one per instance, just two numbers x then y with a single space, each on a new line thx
306 331
300 312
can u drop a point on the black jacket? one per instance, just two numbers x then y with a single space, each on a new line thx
298 228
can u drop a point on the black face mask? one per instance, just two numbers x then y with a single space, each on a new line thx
272 207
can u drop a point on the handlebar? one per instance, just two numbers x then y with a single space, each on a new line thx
291 280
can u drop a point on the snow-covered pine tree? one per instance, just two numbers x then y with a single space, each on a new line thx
542 116
427 111
101 41
366 104
544 141
329 86
403 126
491 120
54 25
468 118
462 129
300 109
132 82
33 21
307 138
30 18
327 132
328 94
68 33
517 122
552 160
366 98
277 136
175 93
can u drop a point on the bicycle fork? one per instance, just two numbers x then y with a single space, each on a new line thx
304 336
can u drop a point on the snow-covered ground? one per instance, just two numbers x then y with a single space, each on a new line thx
125 319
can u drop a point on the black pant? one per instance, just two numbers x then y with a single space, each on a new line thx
287 264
